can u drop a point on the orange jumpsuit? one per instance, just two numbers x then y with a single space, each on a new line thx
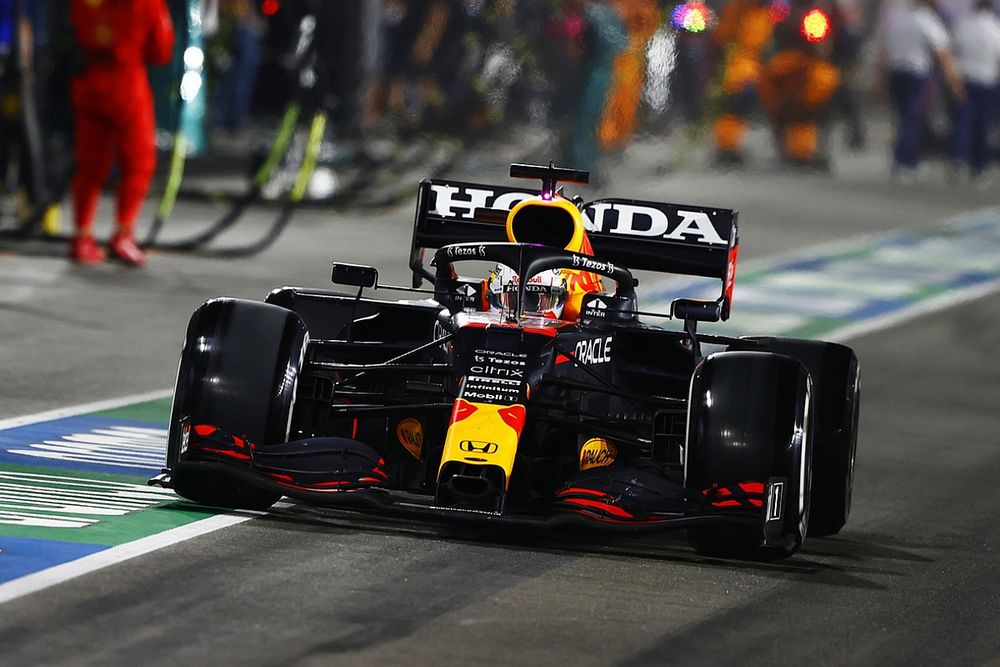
113 102
744 32
641 18
795 88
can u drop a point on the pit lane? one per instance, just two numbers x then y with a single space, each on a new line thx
913 577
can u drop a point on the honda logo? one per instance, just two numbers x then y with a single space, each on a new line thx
478 447
651 221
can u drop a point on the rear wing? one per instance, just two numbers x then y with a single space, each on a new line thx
643 235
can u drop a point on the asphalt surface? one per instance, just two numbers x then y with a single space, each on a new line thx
913 578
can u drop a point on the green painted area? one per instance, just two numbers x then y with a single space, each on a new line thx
148 411
929 291
163 515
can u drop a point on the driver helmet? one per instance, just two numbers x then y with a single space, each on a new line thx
544 294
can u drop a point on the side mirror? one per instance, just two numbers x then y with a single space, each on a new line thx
356 275
696 309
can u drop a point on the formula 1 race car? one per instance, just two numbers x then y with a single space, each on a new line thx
533 396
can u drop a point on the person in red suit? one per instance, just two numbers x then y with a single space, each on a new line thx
115 122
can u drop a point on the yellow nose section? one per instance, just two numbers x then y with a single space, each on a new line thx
484 434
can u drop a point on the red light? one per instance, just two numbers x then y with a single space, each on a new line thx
816 26
270 7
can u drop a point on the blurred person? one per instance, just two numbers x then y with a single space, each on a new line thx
604 38
797 83
500 80
690 76
562 53
383 96
245 28
914 40
976 37
743 35
641 19
440 52
21 161
848 37
413 32
115 122
330 72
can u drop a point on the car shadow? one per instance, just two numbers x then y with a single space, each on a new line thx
845 562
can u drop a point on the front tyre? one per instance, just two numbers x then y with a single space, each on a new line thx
239 371
749 454
836 383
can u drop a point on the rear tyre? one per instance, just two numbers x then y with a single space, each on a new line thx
836 385
749 429
239 370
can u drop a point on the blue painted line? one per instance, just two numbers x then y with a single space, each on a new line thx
808 264
877 308
20 556
972 279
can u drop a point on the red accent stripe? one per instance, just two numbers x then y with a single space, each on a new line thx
332 482
730 280
238 442
205 429
514 417
462 410
561 359
576 489
354 429
226 452
723 491
278 475
756 502
752 487
610 509
726 503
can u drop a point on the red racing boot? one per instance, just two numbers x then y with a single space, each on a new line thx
83 249
124 247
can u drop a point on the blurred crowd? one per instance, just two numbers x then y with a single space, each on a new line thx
591 72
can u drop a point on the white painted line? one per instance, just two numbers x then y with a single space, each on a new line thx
57 574
73 411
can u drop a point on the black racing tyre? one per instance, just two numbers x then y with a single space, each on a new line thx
239 371
749 424
835 375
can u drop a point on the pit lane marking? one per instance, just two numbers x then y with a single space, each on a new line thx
43 579
45 500
852 287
